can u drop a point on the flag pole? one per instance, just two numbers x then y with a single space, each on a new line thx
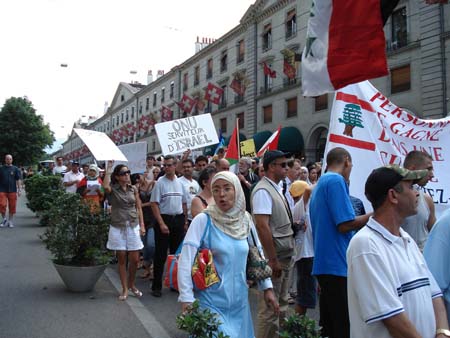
238 146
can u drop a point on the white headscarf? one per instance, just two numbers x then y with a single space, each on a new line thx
236 221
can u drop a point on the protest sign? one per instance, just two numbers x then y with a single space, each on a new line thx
248 148
136 155
189 133
376 132
100 145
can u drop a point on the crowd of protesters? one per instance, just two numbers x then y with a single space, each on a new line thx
366 270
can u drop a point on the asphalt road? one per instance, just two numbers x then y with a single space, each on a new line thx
35 304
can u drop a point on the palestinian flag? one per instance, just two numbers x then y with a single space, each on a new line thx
345 44
233 151
271 143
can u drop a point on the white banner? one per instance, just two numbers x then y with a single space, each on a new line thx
189 133
136 154
376 132
100 145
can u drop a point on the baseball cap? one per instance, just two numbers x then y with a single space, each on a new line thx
298 188
272 155
384 178
75 163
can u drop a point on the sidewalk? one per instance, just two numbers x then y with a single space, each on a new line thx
35 304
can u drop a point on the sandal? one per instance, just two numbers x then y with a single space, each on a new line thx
123 297
135 292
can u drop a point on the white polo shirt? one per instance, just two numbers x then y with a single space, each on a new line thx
71 176
388 275
192 188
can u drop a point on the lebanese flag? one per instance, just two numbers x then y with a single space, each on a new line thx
271 143
233 151
345 44
186 104
268 71
213 93
166 114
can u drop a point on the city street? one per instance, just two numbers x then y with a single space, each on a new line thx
34 302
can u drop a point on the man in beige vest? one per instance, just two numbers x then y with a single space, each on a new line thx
274 224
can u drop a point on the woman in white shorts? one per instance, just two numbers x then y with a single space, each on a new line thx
127 225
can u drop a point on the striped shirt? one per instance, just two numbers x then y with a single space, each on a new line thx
170 195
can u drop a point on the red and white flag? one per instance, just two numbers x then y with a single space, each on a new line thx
345 44
238 87
271 143
143 123
131 129
186 104
166 114
213 93
268 71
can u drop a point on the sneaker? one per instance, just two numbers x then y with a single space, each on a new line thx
4 223
10 224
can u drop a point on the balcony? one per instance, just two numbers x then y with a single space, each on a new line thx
287 82
265 90
238 99
222 104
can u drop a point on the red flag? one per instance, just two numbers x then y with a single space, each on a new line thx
268 71
289 69
143 123
130 129
271 143
186 104
124 131
238 87
233 151
213 93
200 103
166 114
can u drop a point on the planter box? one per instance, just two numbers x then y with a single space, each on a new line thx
80 278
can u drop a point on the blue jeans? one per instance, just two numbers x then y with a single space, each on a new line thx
149 246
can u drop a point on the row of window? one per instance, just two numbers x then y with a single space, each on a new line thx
290 29
240 48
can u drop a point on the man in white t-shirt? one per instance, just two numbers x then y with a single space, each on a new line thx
72 178
190 185
60 169
391 292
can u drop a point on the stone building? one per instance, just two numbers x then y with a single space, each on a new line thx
270 32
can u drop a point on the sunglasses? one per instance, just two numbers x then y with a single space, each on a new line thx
282 164
123 173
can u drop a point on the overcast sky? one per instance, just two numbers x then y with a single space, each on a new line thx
101 41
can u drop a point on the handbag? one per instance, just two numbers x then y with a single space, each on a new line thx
171 278
258 267
204 273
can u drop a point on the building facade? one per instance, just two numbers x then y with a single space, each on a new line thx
271 33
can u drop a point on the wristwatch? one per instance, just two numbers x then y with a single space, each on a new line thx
445 332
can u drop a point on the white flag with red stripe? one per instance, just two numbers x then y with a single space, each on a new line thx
345 44
271 143
376 132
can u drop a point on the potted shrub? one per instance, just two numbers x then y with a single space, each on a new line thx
297 326
41 191
200 323
77 238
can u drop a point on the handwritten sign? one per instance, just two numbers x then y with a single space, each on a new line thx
100 145
189 133
248 148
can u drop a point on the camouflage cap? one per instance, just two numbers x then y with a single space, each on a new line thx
384 178
408 175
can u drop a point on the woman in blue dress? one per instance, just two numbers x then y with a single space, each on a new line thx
225 228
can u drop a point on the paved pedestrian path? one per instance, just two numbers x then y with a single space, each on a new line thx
34 302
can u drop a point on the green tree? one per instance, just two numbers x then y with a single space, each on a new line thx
24 134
